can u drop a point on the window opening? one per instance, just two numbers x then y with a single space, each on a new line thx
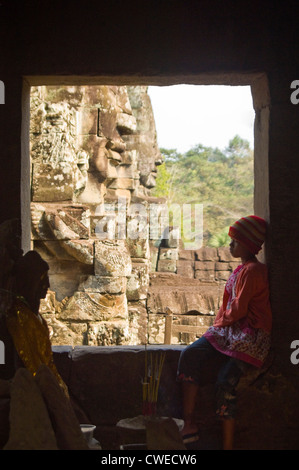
100 192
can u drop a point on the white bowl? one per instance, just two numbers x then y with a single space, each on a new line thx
87 430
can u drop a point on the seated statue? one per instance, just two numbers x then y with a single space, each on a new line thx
28 353
29 331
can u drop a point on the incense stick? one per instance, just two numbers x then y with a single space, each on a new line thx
151 382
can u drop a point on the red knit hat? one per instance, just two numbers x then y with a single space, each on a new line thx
249 231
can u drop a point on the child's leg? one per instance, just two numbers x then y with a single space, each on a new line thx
199 364
226 397
190 390
228 432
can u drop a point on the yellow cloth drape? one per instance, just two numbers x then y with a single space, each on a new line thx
31 338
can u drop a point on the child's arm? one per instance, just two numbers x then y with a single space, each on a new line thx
245 289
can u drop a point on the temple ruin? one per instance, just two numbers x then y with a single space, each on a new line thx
94 156
70 45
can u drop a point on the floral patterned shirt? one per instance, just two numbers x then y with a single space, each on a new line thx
242 328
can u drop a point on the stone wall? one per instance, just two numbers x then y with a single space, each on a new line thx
190 283
93 156
205 264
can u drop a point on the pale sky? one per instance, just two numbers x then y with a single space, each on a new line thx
187 115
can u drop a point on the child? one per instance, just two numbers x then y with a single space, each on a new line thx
239 338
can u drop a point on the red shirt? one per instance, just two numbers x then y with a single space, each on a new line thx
251 299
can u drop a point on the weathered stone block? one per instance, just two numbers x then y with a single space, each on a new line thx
204 265
103 284
183 336
107 123
138 321
94 191
115 157
112 258
186 254
129 157
222 275
105 227
66 333
137 227
168 253
154 252
183 296
87 121
76 216
167 265
156 328
80 250
222 266
122 183
126 123
49 249
171 237
49 303
60 222
185 268
206 253
224 254
85 306
127 171
203 275
108 334
139 248
122 100
58 227
53 183
92 143
138 281
65 283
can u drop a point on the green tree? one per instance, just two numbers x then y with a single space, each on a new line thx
163 181
238 147
220 239
221 180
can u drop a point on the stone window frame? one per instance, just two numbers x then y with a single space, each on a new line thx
261 104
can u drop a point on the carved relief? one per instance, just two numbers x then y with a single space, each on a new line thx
89 146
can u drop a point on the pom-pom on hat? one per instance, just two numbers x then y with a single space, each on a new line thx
250 231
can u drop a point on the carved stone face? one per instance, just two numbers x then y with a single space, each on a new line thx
114 119
91 146
93 135
145 140
148 166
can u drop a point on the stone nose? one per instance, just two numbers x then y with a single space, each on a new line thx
159 160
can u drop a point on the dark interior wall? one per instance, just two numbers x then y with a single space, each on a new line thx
164 42
154 41
168 37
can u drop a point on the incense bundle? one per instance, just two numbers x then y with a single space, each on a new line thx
151 382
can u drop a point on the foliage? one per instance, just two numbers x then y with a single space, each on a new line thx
220 239
221 180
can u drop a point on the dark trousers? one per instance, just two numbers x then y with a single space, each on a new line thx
202 364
